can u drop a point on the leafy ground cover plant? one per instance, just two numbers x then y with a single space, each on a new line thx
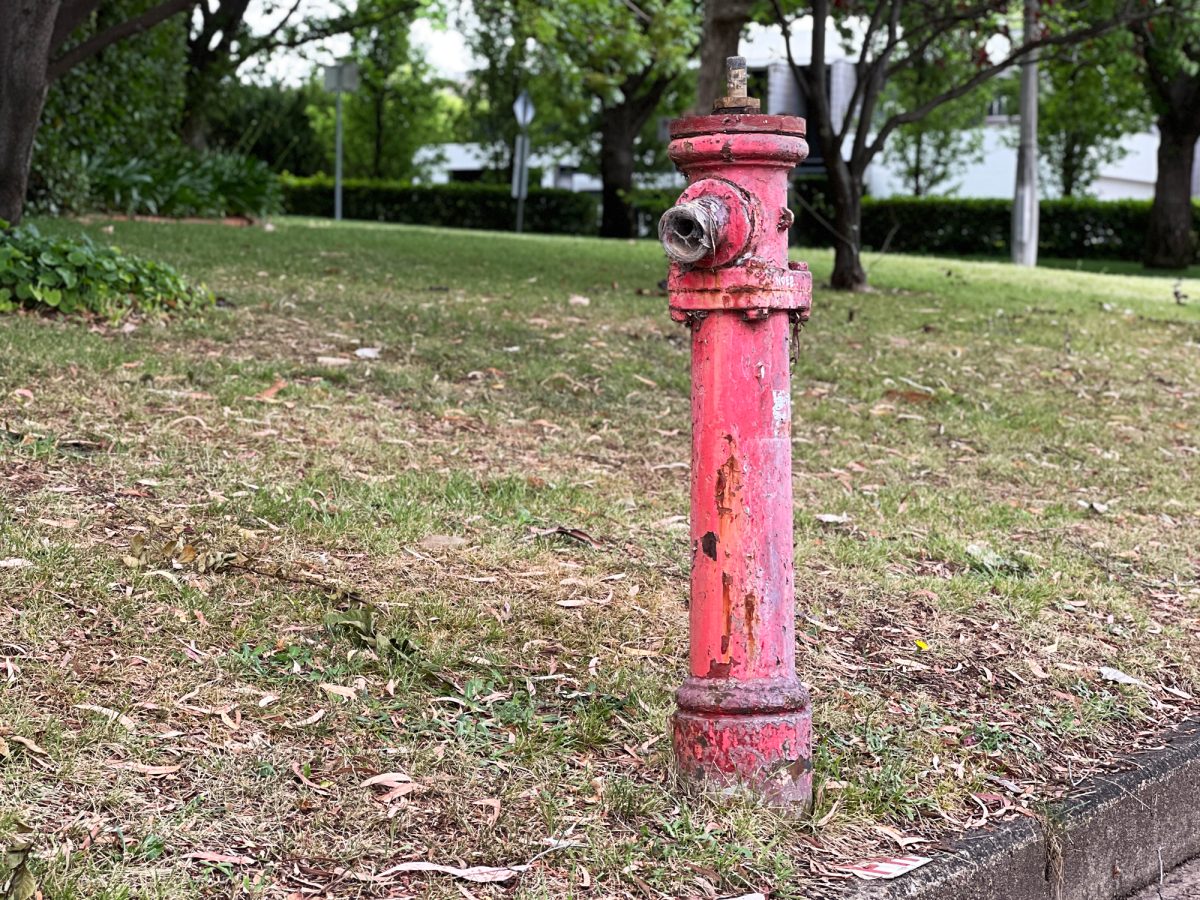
180 182
70 275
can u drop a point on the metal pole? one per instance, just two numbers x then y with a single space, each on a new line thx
522 177
337 165
1025 204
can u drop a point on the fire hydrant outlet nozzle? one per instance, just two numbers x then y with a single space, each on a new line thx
744 718
690 231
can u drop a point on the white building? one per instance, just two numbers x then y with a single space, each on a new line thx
1131 177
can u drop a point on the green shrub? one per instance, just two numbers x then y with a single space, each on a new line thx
455 205
179 182
936 225
1069 228
77 275
649 205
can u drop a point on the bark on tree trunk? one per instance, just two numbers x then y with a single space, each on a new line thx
723 24
1070 165
193 131
616 172
848 274
25 42
377 151
1170 242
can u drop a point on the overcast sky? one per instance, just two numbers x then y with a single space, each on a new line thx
444 47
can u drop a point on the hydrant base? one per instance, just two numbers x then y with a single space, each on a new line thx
768 754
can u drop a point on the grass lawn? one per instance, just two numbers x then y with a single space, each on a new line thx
246 571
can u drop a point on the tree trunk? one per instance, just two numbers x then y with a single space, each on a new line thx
1170 242
1072 155
723 24
377 150
25 44
848 274
616 172
193 131
918 188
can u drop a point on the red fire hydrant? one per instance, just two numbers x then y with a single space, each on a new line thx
743 716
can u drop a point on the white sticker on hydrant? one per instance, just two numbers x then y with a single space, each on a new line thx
781 410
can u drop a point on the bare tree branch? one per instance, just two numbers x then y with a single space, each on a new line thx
989 72
129 27
71 14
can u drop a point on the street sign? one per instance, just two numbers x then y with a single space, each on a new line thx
340 78
523 109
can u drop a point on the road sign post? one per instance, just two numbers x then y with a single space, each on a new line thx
523 109
342 77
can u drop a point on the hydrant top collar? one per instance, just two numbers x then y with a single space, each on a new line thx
737 123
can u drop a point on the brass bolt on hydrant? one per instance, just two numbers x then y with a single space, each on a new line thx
743 717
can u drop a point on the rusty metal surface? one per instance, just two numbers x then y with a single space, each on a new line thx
743 716
737 122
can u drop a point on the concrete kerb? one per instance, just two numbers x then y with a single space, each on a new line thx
1109 839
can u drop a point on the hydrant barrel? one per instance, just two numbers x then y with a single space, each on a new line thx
743 717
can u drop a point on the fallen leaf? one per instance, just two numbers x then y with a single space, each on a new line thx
305 780
903 840
27 744
579 300
442 542
494 806
346 692
205 856
15 563
333 361
387 779
1037 670
111 714
142 769
368 352
269 393
477 874
832 518
311 720
574 533
58 523
1110 674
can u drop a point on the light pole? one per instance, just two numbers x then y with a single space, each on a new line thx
1025 202
340 78
523 109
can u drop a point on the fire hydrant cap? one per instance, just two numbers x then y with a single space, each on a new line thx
737 123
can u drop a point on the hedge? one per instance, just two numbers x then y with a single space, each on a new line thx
1069 228
457 205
